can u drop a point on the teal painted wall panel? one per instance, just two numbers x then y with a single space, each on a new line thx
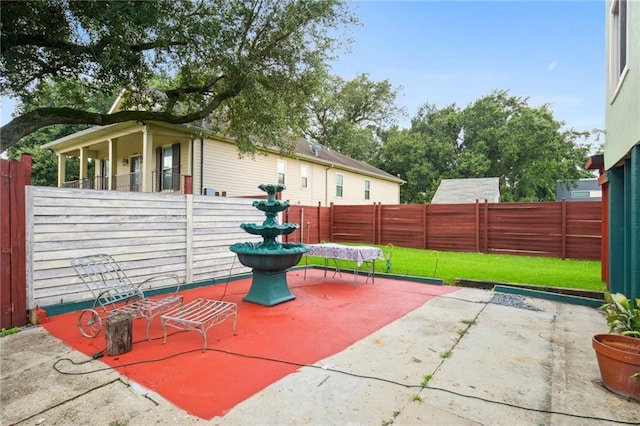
616 229
624 226
634 229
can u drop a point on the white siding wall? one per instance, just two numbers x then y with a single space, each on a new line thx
148 234
622 108
381 191
224 171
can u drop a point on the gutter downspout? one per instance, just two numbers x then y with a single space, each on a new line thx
326 185
201 165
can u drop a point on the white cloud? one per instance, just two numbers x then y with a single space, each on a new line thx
552 66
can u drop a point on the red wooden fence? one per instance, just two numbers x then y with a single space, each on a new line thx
553 229
14 176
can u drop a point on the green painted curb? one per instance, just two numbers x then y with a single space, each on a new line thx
63 308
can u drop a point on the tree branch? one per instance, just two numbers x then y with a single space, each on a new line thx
31 121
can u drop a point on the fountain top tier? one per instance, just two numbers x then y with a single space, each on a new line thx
271 207
270 228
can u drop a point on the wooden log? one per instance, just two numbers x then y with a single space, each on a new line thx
119 334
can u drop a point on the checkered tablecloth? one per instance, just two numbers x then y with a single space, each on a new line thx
358 254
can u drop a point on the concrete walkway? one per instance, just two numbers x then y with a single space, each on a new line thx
484 360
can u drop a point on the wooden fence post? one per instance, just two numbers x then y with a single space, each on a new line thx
5 246
380 228
425 224
319 212
477 225
331 221
564 228
486 226
374 223
15 177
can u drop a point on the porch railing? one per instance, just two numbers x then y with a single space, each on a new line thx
97 182
172 183
166 181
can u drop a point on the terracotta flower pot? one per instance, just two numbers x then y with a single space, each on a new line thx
619 359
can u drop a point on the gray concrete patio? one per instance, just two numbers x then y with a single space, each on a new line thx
510 360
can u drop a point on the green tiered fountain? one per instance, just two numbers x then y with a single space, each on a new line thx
269 259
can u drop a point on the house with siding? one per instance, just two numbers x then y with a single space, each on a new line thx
622 144
586 189
161 157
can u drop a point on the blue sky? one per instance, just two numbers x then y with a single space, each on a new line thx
445 52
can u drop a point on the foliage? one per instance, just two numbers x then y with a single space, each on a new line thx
544 271
7 331
248 65
496 136
622 316
423 154
349 116
44 162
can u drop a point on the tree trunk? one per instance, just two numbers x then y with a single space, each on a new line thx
119 334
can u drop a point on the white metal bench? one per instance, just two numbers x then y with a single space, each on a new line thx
199 315
114 293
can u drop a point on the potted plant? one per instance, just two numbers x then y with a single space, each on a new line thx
619 354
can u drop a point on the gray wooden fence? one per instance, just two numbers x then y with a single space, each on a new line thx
147 233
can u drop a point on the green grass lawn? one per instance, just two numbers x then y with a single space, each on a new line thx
544 271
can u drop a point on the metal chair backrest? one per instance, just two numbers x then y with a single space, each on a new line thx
105 279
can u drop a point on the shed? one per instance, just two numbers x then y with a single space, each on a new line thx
460 191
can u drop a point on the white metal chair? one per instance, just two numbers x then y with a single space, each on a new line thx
114 293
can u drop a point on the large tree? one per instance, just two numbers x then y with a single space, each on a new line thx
44 170
248 66
526 147
349 116
423 154
498 135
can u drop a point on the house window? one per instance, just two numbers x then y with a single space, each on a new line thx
282 169
304 181
586 193
367 189
580 194
618 42
168 168
339 185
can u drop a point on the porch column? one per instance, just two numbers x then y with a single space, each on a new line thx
113 166
190 157
62 169
147 160
84 157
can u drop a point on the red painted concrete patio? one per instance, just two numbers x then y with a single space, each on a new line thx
328 315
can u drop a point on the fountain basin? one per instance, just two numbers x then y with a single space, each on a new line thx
261 257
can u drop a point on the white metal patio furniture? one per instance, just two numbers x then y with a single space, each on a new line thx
114 293
199 315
